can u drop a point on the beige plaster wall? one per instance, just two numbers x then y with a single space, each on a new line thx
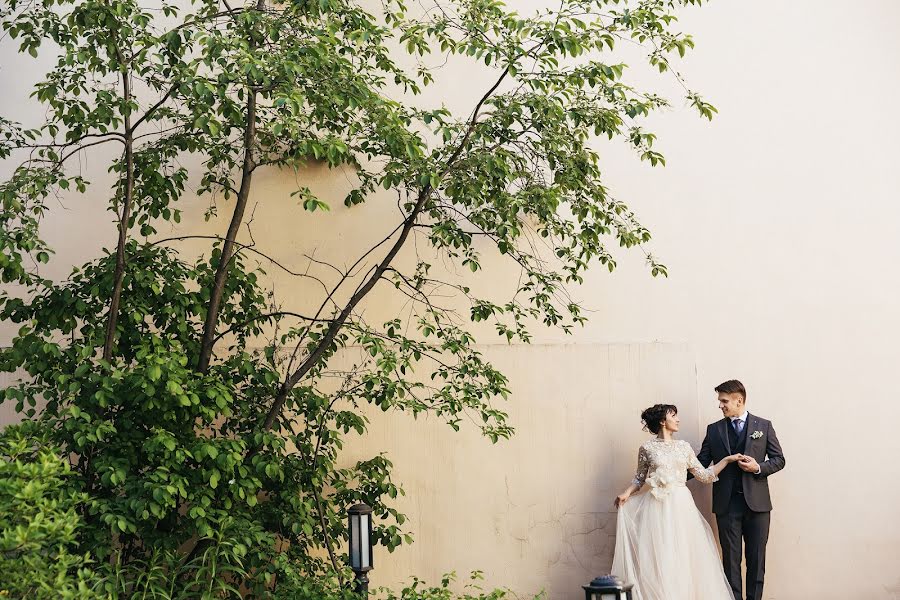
779 222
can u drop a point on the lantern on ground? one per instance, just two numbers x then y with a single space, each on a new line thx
608 587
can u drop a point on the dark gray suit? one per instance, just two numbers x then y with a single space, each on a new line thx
741 500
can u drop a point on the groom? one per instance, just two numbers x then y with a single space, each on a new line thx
741 495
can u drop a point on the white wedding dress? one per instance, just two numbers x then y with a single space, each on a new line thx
664 546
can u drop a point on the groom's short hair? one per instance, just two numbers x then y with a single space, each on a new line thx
732 386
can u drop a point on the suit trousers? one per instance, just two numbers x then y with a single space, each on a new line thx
737 525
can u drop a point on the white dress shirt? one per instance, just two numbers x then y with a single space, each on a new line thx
742 418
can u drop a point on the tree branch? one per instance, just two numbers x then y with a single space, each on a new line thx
153 108
280 313
125 216
409 222
215 300
337 323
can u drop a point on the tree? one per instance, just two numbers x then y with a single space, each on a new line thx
144 358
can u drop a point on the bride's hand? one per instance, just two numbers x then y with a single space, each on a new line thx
734 458
622 499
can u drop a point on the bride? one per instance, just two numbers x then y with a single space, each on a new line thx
664 546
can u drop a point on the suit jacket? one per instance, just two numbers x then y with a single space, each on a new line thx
764 448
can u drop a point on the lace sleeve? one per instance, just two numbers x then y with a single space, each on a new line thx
642 468
701 474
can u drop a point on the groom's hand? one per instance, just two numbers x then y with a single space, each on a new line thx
749 464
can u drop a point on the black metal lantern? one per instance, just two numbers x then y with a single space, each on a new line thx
360 521
608 587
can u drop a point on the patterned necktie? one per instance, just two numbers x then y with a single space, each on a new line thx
738 426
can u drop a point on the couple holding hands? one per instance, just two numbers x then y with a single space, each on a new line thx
664 546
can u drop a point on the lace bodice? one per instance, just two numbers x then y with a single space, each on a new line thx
665 463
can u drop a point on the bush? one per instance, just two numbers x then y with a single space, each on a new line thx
419 590
164 575
39 520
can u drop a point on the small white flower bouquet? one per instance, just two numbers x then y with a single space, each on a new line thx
661 483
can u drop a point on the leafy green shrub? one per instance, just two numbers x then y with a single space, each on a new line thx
419 590
39 520
214 573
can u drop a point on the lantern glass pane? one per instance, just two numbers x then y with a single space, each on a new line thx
614 596
354 542
364 543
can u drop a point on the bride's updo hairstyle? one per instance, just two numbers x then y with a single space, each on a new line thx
654 416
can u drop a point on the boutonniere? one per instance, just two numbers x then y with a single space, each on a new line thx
756 435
